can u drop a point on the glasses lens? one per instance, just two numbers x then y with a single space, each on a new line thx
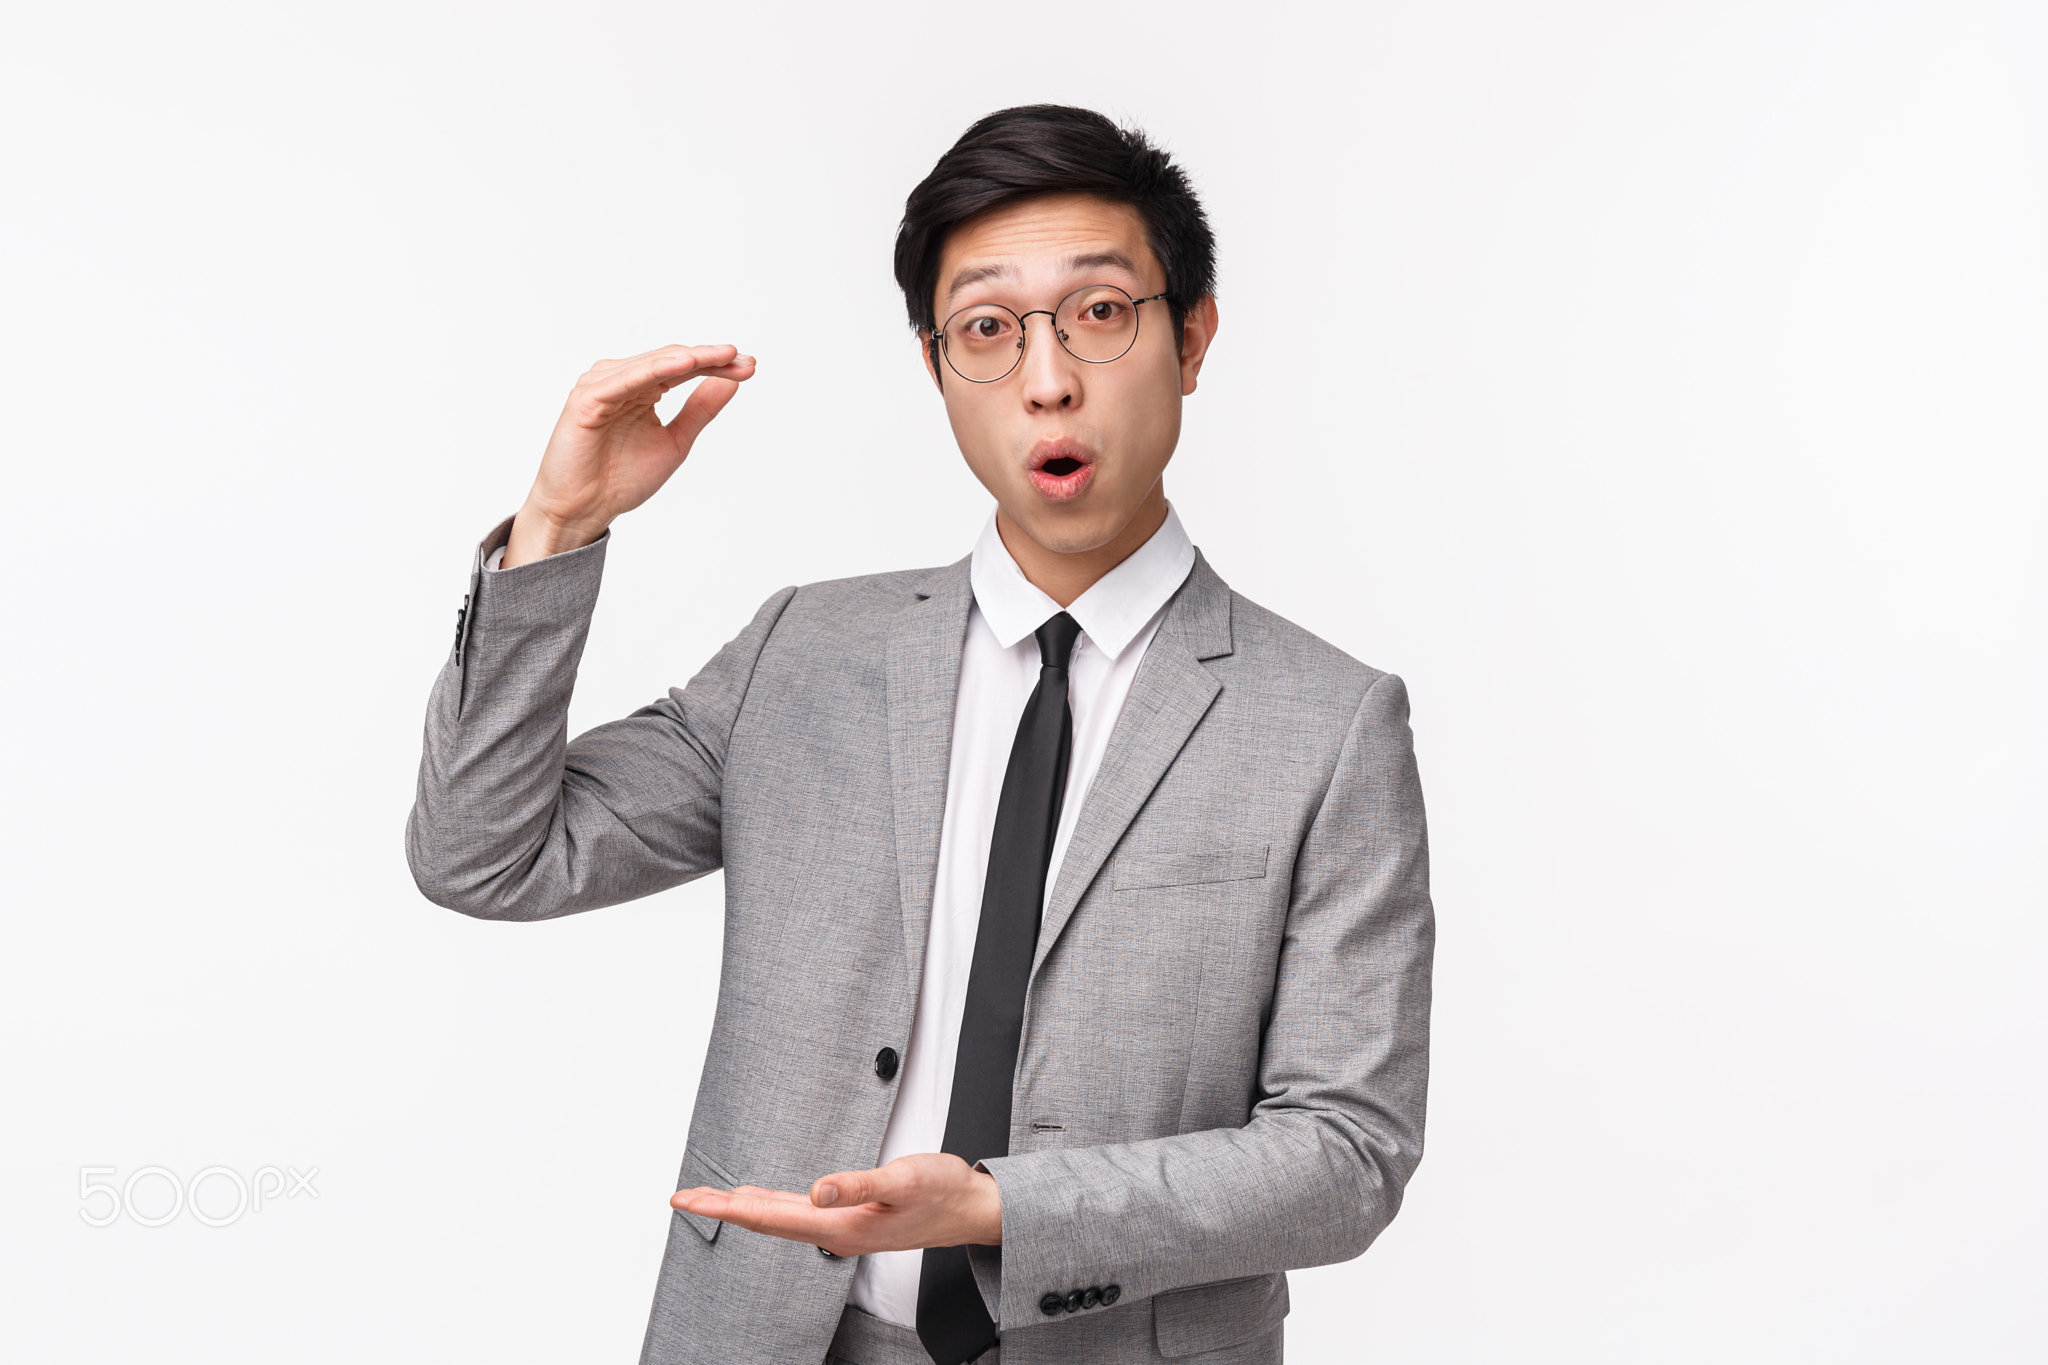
1098 323
983 342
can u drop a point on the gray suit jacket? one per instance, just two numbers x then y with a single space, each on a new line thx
1225 1048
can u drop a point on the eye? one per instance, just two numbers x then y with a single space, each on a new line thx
980 325
1102 310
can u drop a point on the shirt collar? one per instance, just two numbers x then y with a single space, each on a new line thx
1111 613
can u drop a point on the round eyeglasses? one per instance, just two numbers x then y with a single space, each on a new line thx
1097 323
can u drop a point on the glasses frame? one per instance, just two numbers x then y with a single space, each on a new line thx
1024 332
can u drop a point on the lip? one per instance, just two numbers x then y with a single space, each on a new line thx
1060 487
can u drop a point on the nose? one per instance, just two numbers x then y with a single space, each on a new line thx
1052 377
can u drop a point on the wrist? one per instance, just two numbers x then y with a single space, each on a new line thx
536 535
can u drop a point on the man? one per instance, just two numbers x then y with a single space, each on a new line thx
1077 940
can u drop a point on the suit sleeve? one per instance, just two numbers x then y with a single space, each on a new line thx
1318 1171
513 821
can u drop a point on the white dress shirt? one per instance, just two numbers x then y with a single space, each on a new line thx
998 670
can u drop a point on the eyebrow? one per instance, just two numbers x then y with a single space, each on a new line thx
1094 259
976 274
1002 270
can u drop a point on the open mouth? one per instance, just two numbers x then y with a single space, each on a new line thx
1060 469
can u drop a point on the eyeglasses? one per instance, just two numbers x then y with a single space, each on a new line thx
1097 323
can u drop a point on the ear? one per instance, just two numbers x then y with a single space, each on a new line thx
928 351
1196 334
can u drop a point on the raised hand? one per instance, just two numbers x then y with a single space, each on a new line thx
610 453
927 1200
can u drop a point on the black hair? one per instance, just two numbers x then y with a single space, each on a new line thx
1034 149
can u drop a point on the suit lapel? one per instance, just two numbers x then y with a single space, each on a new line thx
1169 697
925 642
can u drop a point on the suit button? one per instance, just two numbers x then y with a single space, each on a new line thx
1091 1296
1073 1300
1052 1305
885 1063
827 1255
1111 1293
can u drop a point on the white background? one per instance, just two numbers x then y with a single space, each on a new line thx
1657 387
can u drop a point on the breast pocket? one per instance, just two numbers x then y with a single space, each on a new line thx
1141 870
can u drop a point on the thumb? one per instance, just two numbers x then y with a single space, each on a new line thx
848 1189
704 403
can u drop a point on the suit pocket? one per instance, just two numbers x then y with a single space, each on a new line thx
1210 1317
1139 870
699 1169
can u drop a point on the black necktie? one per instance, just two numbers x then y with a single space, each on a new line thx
952 1321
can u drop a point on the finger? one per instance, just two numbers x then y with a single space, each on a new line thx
793 1219
724 353
644 378
651 391
706 403
683 1199
709 1202
690 1199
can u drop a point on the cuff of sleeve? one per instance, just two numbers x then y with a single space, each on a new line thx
1041 1256
490 551
987 1264
557 591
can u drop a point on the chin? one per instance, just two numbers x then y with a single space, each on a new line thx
1071 531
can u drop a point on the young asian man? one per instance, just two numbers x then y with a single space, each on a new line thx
1077 946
